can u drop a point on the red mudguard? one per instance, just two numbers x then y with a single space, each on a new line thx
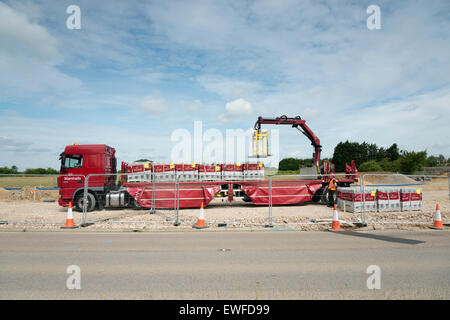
191 196
282 193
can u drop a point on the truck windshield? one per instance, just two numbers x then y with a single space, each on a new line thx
72 161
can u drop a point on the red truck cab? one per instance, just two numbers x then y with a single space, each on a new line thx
79 161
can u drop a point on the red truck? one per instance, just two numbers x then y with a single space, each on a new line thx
79 161
106 189
160 185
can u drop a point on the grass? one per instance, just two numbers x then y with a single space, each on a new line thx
19 181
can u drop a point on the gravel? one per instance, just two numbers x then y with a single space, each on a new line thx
38 215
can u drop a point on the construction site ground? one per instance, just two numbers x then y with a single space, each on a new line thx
29 209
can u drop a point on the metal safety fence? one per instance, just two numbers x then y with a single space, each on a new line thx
301 200
149 194
278 201
403 199
32 199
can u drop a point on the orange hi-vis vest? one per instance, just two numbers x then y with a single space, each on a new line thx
332 184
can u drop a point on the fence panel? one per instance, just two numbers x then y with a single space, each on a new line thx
31 200
406 199
300 201
142 202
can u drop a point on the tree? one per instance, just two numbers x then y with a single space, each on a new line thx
346 151
372 151
6 170
41 171
390 166
370 166
441 160
392 152
289 164
432 161
381 154
412 161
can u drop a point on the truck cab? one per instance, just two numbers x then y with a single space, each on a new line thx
77 163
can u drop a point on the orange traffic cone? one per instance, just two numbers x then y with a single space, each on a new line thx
437 219
335 225
201 219
69 219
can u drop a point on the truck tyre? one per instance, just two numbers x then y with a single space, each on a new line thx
91 202
317 197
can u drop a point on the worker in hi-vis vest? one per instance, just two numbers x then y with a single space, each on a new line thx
332 185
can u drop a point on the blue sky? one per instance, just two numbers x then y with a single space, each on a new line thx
138 70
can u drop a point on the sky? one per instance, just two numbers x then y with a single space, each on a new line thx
137 71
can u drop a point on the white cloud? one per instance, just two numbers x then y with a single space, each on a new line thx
229 88
154 77
235 110
154 104
37 142
195 106
28 57
417 123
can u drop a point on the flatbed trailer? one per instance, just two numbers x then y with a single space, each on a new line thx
193 194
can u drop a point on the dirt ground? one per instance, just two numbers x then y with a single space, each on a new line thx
30 209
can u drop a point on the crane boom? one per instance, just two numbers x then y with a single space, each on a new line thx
298 123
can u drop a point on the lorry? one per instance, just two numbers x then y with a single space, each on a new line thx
151 185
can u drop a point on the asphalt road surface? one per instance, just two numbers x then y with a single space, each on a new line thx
225 265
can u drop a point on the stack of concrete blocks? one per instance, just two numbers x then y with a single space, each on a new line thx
148 174
238 172
190 172
168 173
202 174
416 199
228 172
206 172
340 198
382 199
394 198
217 175
356 200
411 199
370 199
133 176
349 199
260 171
379 199
210 172
158 172
251 171
405 199
179 172
140 172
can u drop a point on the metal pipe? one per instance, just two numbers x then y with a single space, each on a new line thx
86 182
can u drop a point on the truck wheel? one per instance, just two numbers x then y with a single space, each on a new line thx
90 202
318 195
246 198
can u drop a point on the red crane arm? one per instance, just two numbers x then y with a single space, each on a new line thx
296 123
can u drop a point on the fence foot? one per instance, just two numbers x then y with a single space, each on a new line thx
87 224
176 224
360 224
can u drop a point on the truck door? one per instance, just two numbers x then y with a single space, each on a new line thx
71 170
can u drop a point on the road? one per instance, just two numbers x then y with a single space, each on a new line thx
225 265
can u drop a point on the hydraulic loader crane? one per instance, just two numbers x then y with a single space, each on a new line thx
301 126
